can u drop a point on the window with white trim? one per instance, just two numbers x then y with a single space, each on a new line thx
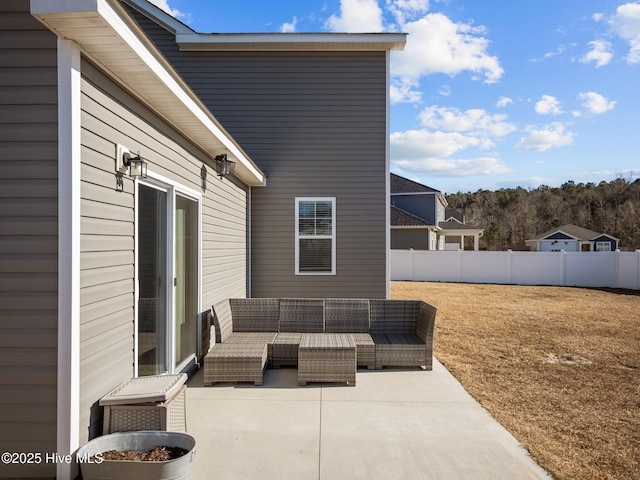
603 246
315 236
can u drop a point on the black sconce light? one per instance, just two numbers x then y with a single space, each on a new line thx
224 166
137 165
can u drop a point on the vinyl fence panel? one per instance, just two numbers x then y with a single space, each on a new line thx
582 269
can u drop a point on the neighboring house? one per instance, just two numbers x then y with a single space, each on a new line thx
421 221
106 275
572 238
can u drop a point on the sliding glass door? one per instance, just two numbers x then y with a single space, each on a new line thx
168 272
152 280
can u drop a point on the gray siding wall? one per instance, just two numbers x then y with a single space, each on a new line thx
28 237
421 205
404 239
315 123
110 116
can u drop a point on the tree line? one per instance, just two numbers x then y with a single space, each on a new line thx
510 216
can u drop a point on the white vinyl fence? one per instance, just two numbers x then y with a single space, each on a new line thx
581 269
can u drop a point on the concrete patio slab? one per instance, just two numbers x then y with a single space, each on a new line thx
394 424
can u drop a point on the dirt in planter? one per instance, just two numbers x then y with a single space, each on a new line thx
158 454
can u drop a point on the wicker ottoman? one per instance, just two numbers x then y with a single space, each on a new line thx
235 362
327 358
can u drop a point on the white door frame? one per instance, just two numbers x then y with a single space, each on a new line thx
172 189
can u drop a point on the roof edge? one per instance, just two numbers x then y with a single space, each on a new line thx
164 19
291 41
90 22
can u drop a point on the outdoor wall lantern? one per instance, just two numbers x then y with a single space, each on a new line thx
224 166
137 165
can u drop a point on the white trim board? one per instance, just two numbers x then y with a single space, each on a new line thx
69 131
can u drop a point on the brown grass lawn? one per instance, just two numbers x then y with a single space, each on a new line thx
558 367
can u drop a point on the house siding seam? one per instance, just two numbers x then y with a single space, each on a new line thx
110 116
28 238
315 123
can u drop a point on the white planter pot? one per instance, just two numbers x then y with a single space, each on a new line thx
98 469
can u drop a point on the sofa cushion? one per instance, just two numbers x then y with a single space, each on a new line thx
346 315
394 316
302 315
255 314
251 337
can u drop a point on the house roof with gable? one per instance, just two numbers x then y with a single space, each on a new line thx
579 233
453 224
404 185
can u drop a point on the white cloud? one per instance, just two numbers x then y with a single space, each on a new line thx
548 105
596 103
503 102
357 16
404 90
550 136
475 121
164 5
445 90
600 53
413 145
437 45
449 167
405 10
289 27
626 24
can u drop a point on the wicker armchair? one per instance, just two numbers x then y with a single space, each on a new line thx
402 331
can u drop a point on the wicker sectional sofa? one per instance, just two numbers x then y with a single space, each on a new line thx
255 333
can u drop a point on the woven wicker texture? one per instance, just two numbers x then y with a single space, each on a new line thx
168 416
235 362
222 320
255 314
394 316
251 337
327 358
283 351
302 315
346 315
365 349
398 350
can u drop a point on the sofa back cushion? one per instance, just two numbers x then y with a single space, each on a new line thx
302 315
394 316
222 320
255 314
346 315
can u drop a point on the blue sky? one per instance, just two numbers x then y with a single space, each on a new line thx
487 94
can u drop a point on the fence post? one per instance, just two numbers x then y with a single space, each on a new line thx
562 267
509 267
411 269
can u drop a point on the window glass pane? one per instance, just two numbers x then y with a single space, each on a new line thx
306 227
306 209
315 255
323 209
323 226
